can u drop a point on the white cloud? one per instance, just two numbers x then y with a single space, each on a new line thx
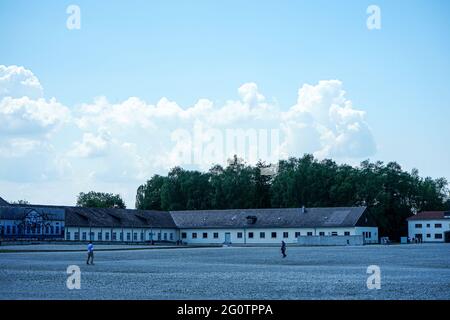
100 143
17 82
92 145
25 116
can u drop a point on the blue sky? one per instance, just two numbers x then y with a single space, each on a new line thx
188 50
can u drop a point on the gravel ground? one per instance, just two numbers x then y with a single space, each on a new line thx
407 272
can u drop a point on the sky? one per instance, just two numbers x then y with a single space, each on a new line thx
138 87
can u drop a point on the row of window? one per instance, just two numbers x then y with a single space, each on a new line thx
436 225
33 230
137 236
428 235
262 235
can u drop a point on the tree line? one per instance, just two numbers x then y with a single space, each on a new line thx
390 193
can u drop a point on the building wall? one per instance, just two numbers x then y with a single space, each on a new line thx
121 234
428 229
52 229
369 234
243 236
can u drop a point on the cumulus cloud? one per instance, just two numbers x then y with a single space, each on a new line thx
133 139
17 82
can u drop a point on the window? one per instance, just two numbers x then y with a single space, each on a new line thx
114 236
100 236
68 235
51 229
57 229
216 235
239 235
428 225
107 236
418 225
346 233
77 236
262 235
8 229
297 234
438 225
438 236
285 234
194 235
321 233
183 235
171 236
334 233
121 236
205 235
165 236
274 235
128 236
135 236
83 235
159 236
428 235
250 235
47 229
309 234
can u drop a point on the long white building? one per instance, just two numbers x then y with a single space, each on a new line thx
430 226
236 226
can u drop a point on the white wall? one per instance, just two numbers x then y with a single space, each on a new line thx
428 230
370 234
129 234
246 239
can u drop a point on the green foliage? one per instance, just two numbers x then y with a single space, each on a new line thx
391 194
25 202
94 199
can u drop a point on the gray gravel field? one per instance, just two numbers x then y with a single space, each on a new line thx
407 272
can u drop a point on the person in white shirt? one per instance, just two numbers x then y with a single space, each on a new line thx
90 256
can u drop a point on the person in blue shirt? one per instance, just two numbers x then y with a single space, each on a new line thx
90 256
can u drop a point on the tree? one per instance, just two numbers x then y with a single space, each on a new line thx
24 202
94 199
390 193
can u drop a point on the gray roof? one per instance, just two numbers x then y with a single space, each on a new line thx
271 218
3 202
18 213
117 218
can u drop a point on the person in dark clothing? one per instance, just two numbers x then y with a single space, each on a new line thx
283 249
90 249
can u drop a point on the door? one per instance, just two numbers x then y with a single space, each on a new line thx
447 236
227 237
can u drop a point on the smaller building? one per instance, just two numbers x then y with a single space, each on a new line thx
31 222
119 225
430 226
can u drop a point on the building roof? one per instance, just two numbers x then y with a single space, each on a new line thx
430 215
271 218
117 218
18 213
3 202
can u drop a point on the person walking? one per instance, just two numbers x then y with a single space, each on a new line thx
90 256
283 249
